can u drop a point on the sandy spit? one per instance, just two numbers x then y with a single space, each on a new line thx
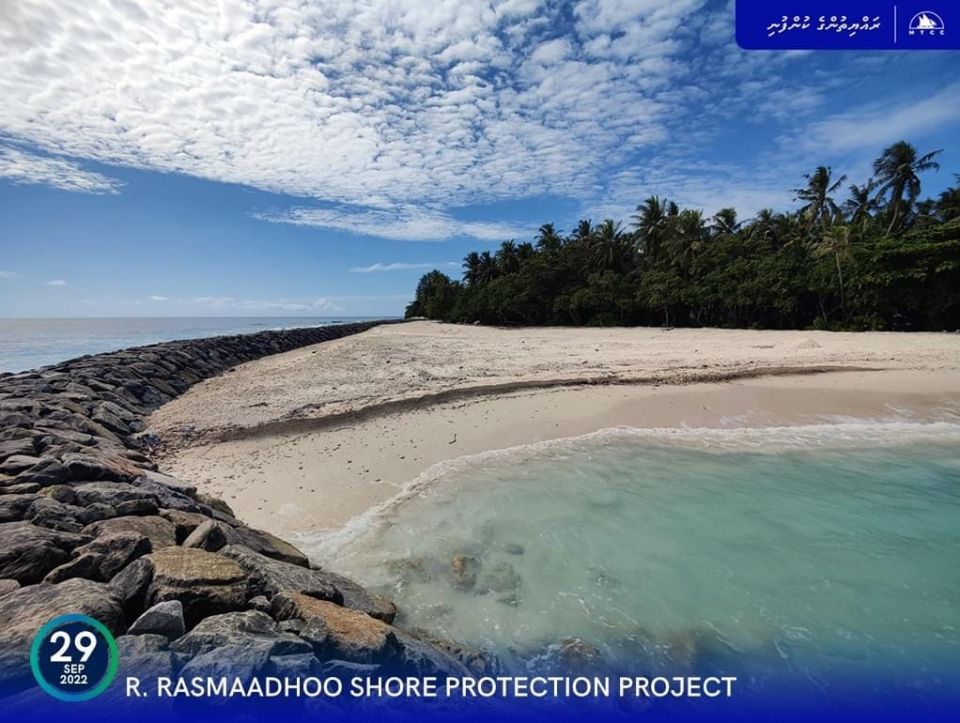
305 441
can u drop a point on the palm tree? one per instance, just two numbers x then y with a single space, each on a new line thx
526 251
471 268
487 268
948 205
507 260
861 204
688 233
897 171
764 226
548 239
836 242
651 222
724 222
820 206
609 250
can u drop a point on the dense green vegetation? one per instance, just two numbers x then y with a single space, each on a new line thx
881 259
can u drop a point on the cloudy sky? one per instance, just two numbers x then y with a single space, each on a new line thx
275 157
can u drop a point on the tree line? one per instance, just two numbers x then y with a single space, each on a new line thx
879 259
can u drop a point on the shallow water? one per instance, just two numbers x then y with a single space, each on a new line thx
819 553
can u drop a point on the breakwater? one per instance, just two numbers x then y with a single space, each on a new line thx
89 524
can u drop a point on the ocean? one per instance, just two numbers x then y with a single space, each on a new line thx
33 343
816 555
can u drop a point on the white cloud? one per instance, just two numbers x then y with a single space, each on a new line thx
57 282
879 125
21 167
377 103
8 275
230 303
404 223
157 297
399 266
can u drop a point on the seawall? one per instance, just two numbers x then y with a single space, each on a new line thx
89 524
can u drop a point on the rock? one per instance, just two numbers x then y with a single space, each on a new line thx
28 552
17 489
183 522
259 602
411 655
244 661
463 571
45 512
14 507
8 586
145 657
293 666
239 628
18 463
270 577
47 472
205 582
345 670
578 657
95 467
143 508
478 662
159 531
269 545
139 644
210 536
103 558
23 612
164 619
215 503
23 447
110 493
131 585
335 631
171 483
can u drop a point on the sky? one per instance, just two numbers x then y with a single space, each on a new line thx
315 157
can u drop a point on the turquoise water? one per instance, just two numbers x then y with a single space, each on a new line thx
815 552
32 343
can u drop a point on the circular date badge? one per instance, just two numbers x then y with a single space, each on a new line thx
74 657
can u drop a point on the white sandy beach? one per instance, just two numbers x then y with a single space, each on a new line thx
306 440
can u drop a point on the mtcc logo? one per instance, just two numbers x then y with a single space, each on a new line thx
926 23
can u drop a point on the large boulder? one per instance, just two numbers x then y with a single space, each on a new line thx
159 531
184 523
270 577
46 472
28 552
213 535
145 657
335 631
239 628
165 619
205 582
22 447
103 558
24 611
14 507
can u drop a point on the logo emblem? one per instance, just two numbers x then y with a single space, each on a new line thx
74 657
926 23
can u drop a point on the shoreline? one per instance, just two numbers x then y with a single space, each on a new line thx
300 472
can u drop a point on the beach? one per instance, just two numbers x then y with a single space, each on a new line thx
304 441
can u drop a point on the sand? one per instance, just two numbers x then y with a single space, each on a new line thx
304 441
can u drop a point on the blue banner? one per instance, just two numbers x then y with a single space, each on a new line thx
848 24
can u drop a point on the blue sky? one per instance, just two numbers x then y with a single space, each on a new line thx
286 157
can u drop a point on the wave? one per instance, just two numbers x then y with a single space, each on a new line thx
837 434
